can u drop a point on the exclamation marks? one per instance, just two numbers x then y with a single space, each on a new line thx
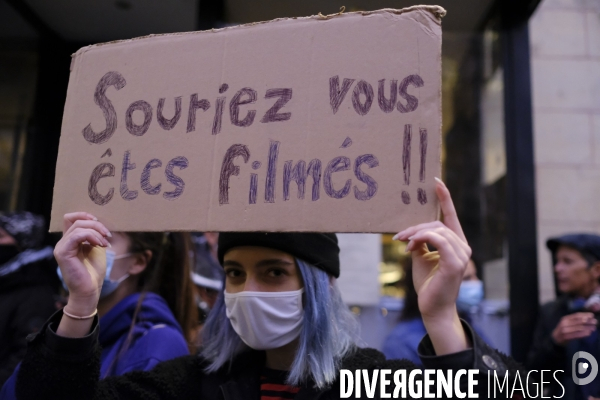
406 161
406 150
421 194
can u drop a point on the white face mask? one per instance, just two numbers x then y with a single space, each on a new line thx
265 320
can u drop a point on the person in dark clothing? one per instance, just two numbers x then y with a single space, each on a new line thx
567 325
28 285
279 318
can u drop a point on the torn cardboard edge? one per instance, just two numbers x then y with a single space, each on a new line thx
437 11
362 187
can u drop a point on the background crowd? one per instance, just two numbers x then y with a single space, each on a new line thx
521 156
160 287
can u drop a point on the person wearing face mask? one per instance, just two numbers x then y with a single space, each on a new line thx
470 293
145 305
146 301
404 339
568 324
279 329
28 285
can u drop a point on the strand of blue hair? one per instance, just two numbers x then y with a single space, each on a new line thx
329 332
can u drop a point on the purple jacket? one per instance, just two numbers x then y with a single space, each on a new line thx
156 336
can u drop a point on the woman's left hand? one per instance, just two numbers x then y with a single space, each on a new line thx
437 275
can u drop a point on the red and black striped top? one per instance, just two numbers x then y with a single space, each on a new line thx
273 386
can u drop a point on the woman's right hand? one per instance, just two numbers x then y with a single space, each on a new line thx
81 257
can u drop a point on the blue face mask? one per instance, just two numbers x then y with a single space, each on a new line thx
470 295
108 286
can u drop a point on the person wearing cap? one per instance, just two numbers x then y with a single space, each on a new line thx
279 329
28 285
568 325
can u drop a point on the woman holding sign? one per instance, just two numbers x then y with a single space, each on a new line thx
279 329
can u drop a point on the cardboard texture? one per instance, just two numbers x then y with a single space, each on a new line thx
324 123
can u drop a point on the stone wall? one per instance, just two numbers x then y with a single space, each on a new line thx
565 68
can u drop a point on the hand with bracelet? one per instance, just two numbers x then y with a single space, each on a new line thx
81 257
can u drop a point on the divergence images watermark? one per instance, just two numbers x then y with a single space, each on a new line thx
579 368
462 383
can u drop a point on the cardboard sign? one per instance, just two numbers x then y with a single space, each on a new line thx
310 124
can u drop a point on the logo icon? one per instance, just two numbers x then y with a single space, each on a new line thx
582 367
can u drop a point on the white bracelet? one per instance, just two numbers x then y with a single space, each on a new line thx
77 317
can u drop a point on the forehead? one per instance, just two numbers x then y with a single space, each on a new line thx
567 251
120 239
251 254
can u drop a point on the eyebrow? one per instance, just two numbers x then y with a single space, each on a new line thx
262 263
231 263
274 261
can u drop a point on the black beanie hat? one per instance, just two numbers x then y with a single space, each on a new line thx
318 249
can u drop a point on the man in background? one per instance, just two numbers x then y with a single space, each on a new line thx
568 324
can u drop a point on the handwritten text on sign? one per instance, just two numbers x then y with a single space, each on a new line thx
276 126
362 100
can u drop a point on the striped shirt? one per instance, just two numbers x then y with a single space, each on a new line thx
273 386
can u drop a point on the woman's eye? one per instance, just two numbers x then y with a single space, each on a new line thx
233 273
276 272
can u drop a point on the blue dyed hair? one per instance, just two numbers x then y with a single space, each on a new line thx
329 332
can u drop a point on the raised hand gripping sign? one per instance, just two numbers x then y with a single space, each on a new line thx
309 124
